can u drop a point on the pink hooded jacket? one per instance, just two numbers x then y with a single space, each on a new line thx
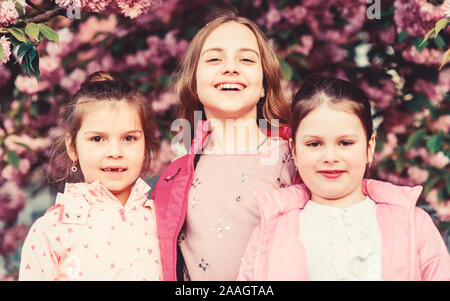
412 247
171 197
89 235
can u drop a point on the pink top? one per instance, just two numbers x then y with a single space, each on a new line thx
89 235
222 210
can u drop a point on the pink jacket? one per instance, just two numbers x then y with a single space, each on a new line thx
89 235
171 197
412 247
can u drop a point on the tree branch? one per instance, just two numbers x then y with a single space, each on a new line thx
48 15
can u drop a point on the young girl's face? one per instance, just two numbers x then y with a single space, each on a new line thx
331 153
229 73
110 146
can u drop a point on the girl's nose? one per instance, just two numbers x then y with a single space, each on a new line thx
230 67
330 155
114 150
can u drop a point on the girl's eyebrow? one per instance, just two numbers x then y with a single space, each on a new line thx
350 135
103 133
221 50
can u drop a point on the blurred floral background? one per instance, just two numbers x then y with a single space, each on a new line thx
376 44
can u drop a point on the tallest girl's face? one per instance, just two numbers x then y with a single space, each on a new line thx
229 73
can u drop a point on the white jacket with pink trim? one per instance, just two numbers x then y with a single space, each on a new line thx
89 235
411 246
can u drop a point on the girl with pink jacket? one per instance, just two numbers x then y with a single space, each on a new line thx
103 226
338 225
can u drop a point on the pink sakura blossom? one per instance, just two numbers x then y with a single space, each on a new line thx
388 147
33 143
417 17
443 123
418 175
305 45
164 102
73 81
8 13
383 95
442 208
320 19
428 57
295 15
30 85
12 201
439 160
6 45
435 91
66 43
5 74
92 26
10 238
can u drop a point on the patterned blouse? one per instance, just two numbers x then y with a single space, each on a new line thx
222 210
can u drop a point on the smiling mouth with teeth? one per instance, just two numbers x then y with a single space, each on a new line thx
114 169
230 87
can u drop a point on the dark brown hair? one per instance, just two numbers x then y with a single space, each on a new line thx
99 86
315 90
273 106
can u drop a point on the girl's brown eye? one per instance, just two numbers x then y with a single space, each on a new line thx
96 139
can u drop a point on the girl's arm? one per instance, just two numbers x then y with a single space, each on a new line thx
433 255
247 268
38 261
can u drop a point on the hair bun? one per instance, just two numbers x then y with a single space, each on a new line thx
100 76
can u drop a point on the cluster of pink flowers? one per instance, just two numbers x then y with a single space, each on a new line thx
383 95
427 57
6 45
417 17
129 8
435 92
8 13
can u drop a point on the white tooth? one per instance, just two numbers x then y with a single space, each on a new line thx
228 86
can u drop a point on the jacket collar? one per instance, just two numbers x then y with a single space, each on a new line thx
96 192
275 203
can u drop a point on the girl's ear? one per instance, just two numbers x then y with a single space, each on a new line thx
292 147
71 148
371 149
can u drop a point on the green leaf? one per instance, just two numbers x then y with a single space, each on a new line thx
427 36
23 145
1 52
430 183
415 138
32 30
441 194
440 25
13 159
19 8
18 34
440 43
48 33
286 70
403 36
433 144
445 59
399 164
